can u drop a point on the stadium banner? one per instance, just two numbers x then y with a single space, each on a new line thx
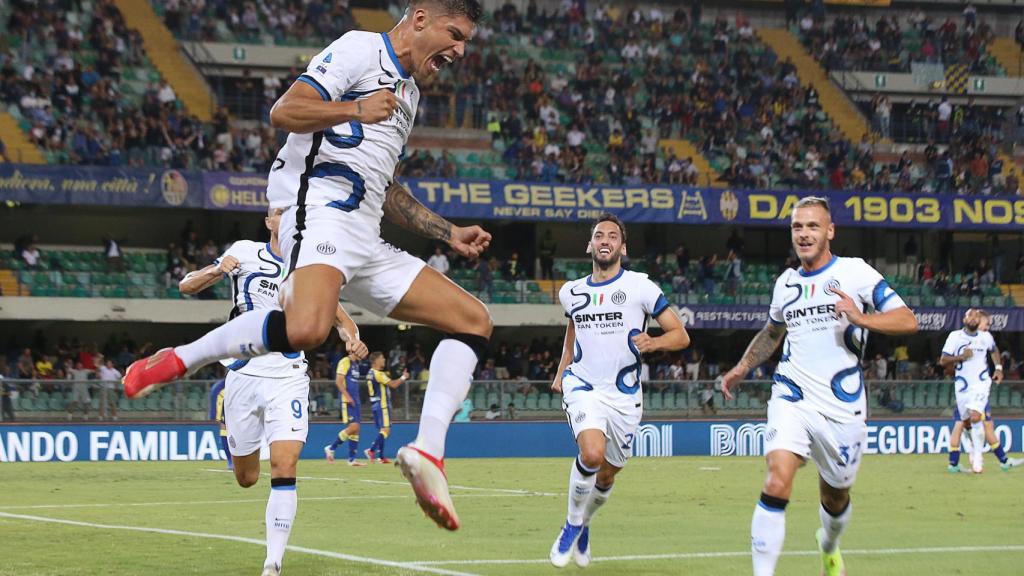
496 439
524 201
77 185
744 317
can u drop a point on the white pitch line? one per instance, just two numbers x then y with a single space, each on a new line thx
709 468
397 483
699 555
302 549
239 501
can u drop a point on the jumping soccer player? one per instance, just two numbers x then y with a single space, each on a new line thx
349 117
823 312
379 385
350 375
599 375
265 396
972 386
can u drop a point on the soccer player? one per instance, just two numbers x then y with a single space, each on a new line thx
965 350
380 385
217 415
351 374
823 310
349 117
265 396
599 375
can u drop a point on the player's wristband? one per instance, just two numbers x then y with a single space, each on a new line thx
999 367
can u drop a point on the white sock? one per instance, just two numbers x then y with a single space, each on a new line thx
597 499
239 338
767 534
280 514
834 526
978 439
451 373
581 485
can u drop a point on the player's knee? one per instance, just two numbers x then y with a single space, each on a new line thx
247 478
775 485
477 320
307 335
835 502
592 457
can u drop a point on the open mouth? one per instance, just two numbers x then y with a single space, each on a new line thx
604 252
440 61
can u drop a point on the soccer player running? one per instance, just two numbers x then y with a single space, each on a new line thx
265 396
965 350
349 117
599 375
380 385
824 311
351 374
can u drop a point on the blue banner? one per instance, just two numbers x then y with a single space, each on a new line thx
525 201
87 185
743 317
96 443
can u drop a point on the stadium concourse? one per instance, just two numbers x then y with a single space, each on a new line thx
136 144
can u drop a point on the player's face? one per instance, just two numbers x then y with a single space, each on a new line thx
439 40
378 364
972 320
273 221
811 229
606 247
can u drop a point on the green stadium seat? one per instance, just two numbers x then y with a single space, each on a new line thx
547 401
656 401
530 402
519 400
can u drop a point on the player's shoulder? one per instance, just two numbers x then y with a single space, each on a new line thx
784 277
245 247
358 38
853 265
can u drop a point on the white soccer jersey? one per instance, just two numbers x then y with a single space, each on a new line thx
971 374
606 316
348 166
820 362
255 285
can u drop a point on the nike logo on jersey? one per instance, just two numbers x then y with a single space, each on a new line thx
296 429
391 77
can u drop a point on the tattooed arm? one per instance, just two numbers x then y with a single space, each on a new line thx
760 349
403 209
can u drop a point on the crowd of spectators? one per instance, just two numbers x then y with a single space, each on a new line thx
282 22
895 40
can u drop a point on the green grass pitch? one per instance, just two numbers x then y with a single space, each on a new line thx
666 516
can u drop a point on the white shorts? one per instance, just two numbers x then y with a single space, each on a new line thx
377 275
275 407
974 399
836 447
586 409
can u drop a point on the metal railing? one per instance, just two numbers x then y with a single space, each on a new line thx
93 400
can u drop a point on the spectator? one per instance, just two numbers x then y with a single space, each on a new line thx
44 368
512 270
734 273
887 398
110 378
493 413
485 282
707 401
115 258
510 411
879 367
80 398
707 273
548 247
31 256
693 364
926 273
902 357
438 261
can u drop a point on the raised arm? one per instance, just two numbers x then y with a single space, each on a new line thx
403 209
199 280
568 351
760 349
674 338
349 333
997 361
304 109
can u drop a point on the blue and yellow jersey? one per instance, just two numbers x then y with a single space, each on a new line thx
377 386
217 405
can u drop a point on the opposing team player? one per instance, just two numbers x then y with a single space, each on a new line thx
350 375
824 311
599 375
265 397
217 415
349 117
379 385
966 349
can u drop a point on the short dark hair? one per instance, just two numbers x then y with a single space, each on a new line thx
471 9
609 217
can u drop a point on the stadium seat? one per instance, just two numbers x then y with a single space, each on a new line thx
655 402
530 402
547 401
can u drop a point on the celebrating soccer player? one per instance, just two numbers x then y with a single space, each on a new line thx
599 375
823 310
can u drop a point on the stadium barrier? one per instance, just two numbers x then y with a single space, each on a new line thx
654 438
189 401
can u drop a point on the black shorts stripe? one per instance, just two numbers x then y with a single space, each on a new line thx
300 213
234 297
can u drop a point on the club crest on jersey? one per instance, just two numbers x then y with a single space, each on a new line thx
619 298
326 248
831 286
